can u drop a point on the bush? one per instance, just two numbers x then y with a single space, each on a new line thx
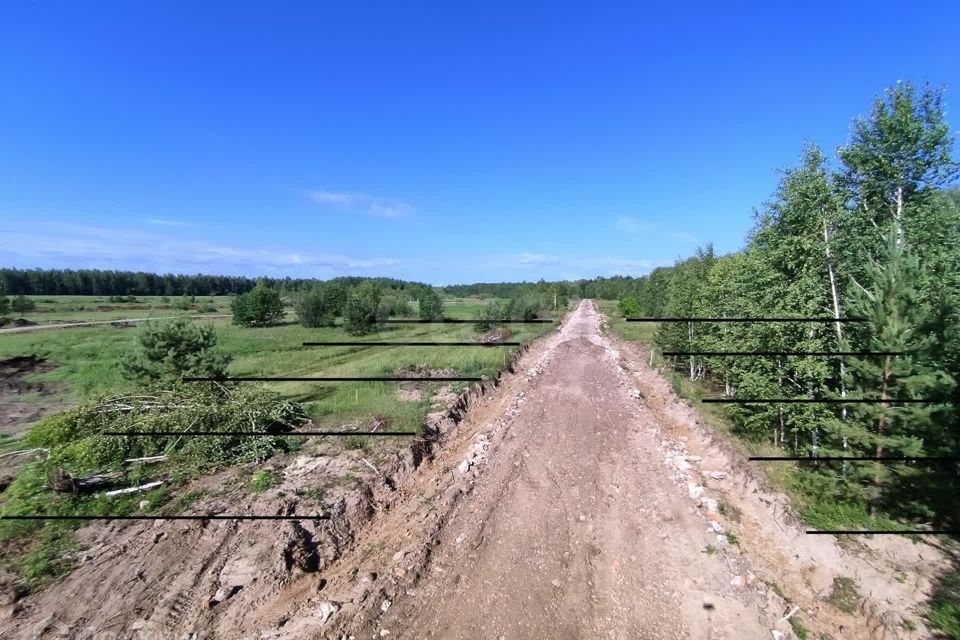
312 309
392 306
22 304
261 306
526 307
491 314
77 444
360 314
630 307
184 303
168 350
430 305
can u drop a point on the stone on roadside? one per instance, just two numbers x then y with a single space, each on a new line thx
326 609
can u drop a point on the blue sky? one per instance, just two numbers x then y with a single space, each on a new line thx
444 142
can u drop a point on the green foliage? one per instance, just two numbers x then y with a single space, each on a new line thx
263 480
184 303
312 309
360 312
77 444
798 629
630 307
493 313
167 350
845 595
944 612
259 307
876 239
430 305
22 304
394 306
4 301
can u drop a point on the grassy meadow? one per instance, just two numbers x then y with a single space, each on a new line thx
90 359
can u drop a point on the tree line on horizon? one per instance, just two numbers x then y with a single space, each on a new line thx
870 243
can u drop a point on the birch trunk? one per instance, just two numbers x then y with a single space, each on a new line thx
835 298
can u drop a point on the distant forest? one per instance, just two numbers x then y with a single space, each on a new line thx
96 282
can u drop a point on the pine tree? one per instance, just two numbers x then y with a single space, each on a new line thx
897 320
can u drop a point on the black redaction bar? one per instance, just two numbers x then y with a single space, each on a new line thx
746 319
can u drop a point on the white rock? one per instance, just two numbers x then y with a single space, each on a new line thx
709 503
777 635
717 475
326 609
695 490
738 581
464 466
385 605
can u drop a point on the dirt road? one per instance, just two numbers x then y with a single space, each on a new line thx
576 530
94 323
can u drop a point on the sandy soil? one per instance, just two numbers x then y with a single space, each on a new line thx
577 499
16 413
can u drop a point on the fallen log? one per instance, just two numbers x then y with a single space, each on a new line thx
137 489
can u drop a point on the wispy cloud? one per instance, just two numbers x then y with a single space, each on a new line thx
636 226
526 264
362 203
73 245
167 222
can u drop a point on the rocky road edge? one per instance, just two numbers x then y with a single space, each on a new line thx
891 577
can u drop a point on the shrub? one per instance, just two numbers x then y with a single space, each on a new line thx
261 306
430 305
491 314
77 444
630 307
392 305
360 314
312 309
22 304
526 307
168 350
184 303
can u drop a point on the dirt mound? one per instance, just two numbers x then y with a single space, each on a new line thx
16 412
16 322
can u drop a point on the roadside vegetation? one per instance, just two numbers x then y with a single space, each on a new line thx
873 238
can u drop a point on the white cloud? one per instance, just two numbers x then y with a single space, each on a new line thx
167 222
362 203
632 225
72 245
635 226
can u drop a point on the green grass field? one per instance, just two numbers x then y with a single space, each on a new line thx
57 309
90 359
